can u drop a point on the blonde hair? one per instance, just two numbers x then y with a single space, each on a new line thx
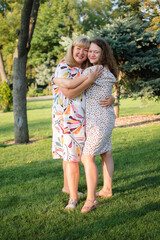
80 41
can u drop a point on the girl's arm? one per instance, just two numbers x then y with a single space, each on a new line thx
69 83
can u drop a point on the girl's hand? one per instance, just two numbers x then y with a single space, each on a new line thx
107 102
93 75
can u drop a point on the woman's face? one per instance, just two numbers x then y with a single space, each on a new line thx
94 54
80 54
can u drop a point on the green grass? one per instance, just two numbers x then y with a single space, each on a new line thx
31 201
130 106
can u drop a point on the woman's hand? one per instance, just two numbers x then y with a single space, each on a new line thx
93 75
107 102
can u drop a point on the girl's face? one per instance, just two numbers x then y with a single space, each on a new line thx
94 54
80 54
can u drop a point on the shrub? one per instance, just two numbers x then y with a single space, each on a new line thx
32 91
48 91
6 97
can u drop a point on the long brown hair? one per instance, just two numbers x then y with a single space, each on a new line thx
107 57
80 41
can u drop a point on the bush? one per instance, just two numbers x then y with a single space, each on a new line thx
6 97
48 91
32 91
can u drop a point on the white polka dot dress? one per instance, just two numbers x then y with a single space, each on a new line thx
99 120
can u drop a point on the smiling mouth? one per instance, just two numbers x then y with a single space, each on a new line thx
80 57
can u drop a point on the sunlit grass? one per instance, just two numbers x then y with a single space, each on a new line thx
31 201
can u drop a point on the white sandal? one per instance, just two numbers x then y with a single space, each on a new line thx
72 203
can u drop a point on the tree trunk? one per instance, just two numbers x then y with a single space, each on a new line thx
117 98
117 95
19 99
2 69
28 21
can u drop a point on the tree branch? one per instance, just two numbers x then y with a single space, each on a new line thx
33 19
24 28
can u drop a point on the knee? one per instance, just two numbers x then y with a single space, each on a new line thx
87 159
106 155
83 160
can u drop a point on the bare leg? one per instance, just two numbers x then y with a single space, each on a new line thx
91 172
72 174
108 169
65 188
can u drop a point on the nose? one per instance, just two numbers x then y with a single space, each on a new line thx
92 54
81 51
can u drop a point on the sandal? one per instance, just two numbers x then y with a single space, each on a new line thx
72 203
104 195
89 206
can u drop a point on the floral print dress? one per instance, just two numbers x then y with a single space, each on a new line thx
68 119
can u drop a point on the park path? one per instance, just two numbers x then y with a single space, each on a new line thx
40 98
137 120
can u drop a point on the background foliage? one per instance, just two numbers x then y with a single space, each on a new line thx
6 97
133 23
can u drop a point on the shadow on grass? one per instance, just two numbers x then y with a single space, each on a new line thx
7 128
2 145
38 108
134 180
102 225
39 104
145 183
28 172
27 183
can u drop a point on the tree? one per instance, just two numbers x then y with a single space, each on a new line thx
145 10
10 21
28 21
56 18
44 72
2 69
151 10
136 51
95 13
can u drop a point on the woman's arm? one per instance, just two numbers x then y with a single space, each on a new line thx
107 102
92 76
72 93
69 83
73 83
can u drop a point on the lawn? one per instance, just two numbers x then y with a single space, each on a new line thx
31 201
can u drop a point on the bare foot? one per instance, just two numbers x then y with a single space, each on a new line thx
65 191
104 194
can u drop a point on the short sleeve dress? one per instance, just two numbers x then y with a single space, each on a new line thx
68 119
99 120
